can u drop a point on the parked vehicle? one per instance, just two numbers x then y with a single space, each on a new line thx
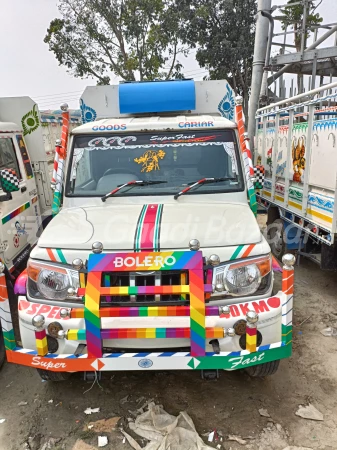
157 238
296 148
25 195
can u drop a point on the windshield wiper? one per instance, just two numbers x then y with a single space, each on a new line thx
203 181
130 184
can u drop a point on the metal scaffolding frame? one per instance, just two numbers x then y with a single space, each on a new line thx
311 60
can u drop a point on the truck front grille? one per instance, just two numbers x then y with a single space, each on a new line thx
156 278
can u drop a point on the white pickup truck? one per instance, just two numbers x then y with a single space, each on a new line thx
155 260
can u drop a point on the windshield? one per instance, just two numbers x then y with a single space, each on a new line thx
100 164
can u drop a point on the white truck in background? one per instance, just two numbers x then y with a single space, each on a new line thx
22 149
27 150
296 148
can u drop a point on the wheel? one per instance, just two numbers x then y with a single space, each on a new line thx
263 370
48 375
2 349
276 237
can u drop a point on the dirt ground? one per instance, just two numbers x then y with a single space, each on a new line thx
54 414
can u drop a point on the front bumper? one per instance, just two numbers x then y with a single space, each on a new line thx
104 331
231 356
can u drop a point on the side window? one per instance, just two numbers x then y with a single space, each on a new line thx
83 174
8 159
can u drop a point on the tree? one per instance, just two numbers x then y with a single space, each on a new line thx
129 38
293 16
223 32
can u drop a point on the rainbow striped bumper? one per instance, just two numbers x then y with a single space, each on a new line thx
197 313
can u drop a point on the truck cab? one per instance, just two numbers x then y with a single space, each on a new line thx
155 231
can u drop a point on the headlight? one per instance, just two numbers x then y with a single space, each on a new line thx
243 277
50 281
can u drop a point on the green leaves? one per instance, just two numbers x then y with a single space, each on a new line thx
293 16
223 32
132 39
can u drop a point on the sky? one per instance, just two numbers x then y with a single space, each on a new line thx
28 68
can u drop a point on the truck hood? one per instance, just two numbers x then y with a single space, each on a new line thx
152 226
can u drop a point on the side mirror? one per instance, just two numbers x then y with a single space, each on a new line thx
9 180
258 177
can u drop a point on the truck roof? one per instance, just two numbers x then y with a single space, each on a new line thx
181 123
9 127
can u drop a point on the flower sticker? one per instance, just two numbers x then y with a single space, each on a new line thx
30 121
150 160
88 114
227 104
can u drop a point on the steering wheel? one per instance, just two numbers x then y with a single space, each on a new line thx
112 171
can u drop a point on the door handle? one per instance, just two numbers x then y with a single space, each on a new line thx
23 189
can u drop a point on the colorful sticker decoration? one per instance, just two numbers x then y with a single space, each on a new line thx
259 177
227 104
25 156
150 160
148 228
30 121
15 213
88 114
9 180
298 153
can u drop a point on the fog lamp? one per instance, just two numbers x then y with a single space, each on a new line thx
240 327
53 329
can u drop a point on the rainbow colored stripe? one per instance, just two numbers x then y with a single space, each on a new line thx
145 311
158 333
145 290
76 335
197 312
15 213
144 261
91 315
41 342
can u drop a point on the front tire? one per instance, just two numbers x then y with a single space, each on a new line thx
48 375
263 370
277 239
